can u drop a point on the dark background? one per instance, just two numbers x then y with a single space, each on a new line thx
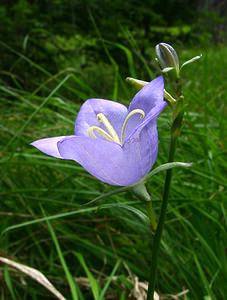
59 34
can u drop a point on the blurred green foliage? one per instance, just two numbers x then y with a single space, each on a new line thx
64 34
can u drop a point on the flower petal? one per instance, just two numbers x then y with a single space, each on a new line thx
150 118
150 96
108 161
151 100
49 145
146 143
87 116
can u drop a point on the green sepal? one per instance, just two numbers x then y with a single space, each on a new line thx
191 61
141 192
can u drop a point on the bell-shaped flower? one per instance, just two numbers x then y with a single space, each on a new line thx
116 144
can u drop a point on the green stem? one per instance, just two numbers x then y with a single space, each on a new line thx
151 216
158 233
175 131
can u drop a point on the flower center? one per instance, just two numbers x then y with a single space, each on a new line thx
110 133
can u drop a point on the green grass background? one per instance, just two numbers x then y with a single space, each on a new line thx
107 241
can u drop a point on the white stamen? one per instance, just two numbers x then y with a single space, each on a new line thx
111 135
103 119
100 131
132 113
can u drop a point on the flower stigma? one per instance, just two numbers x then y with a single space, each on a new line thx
111 134
132 113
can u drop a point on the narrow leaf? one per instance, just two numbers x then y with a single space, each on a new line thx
69 277
168 166
110 278
93 282
132 209
191 60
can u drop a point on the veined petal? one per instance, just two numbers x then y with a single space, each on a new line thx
87 116
150 96
151 100
145 142
106 160
147 121
49 145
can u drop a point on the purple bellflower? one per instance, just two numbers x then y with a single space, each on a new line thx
117 145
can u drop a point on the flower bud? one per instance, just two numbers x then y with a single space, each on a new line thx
137 83
167 57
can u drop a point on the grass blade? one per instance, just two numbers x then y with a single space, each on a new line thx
70 279
93 282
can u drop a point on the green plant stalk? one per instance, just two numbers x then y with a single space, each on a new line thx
158 233
175 131
151 216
